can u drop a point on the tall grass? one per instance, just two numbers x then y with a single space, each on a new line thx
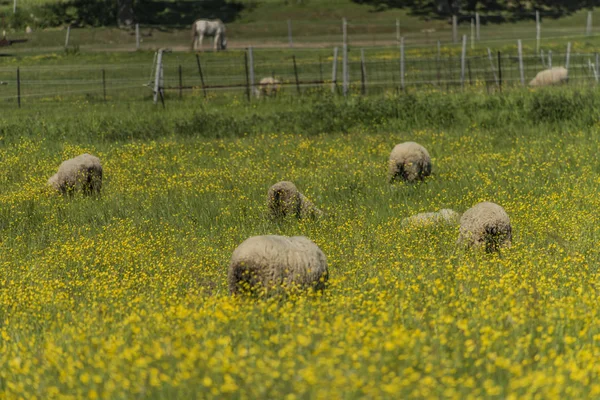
125 296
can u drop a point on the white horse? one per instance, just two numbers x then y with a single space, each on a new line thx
205 27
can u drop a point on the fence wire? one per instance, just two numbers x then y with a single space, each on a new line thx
379 72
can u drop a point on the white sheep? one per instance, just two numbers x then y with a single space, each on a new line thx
268 86
485 224
444 216
409 161
82 173
283 199
550 76
271 262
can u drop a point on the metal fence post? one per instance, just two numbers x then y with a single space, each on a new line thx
521 71
538 31
137 36
402 63
67 36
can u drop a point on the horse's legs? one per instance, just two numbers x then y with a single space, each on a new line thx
200 38
217 36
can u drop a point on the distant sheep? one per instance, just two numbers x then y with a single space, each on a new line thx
271 262
444 216
550 76
284 199
410 162
80 174
268 87
485 224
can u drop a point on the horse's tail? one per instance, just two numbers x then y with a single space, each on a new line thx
194 34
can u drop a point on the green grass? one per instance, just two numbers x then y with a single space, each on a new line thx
125 295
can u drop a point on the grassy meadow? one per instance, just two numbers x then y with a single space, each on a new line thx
125 296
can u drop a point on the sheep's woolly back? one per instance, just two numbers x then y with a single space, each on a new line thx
409 161
82 173
444 216
485 224
271 262
268 86
284 199
550 76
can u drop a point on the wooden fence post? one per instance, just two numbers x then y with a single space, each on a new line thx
202 75
247 78
345 73
477 26
180 83
251 68
104 83
499 70
296 74
363 72
19 87
454 29
472 34
334 71
463 56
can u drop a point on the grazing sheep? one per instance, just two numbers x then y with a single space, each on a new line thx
485 224
284 199
82 173
268 87
409 161
550 76
444 216
271 262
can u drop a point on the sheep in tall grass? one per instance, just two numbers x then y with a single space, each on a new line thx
552 76
80 174
268 86
442 217
273 262
410 162
284 199
485 225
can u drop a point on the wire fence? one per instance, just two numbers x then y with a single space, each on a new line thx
369 71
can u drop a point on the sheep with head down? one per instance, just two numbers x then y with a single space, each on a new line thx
274 262
485 225
444 216
410 162
268 86
80 174
552 76
284 199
